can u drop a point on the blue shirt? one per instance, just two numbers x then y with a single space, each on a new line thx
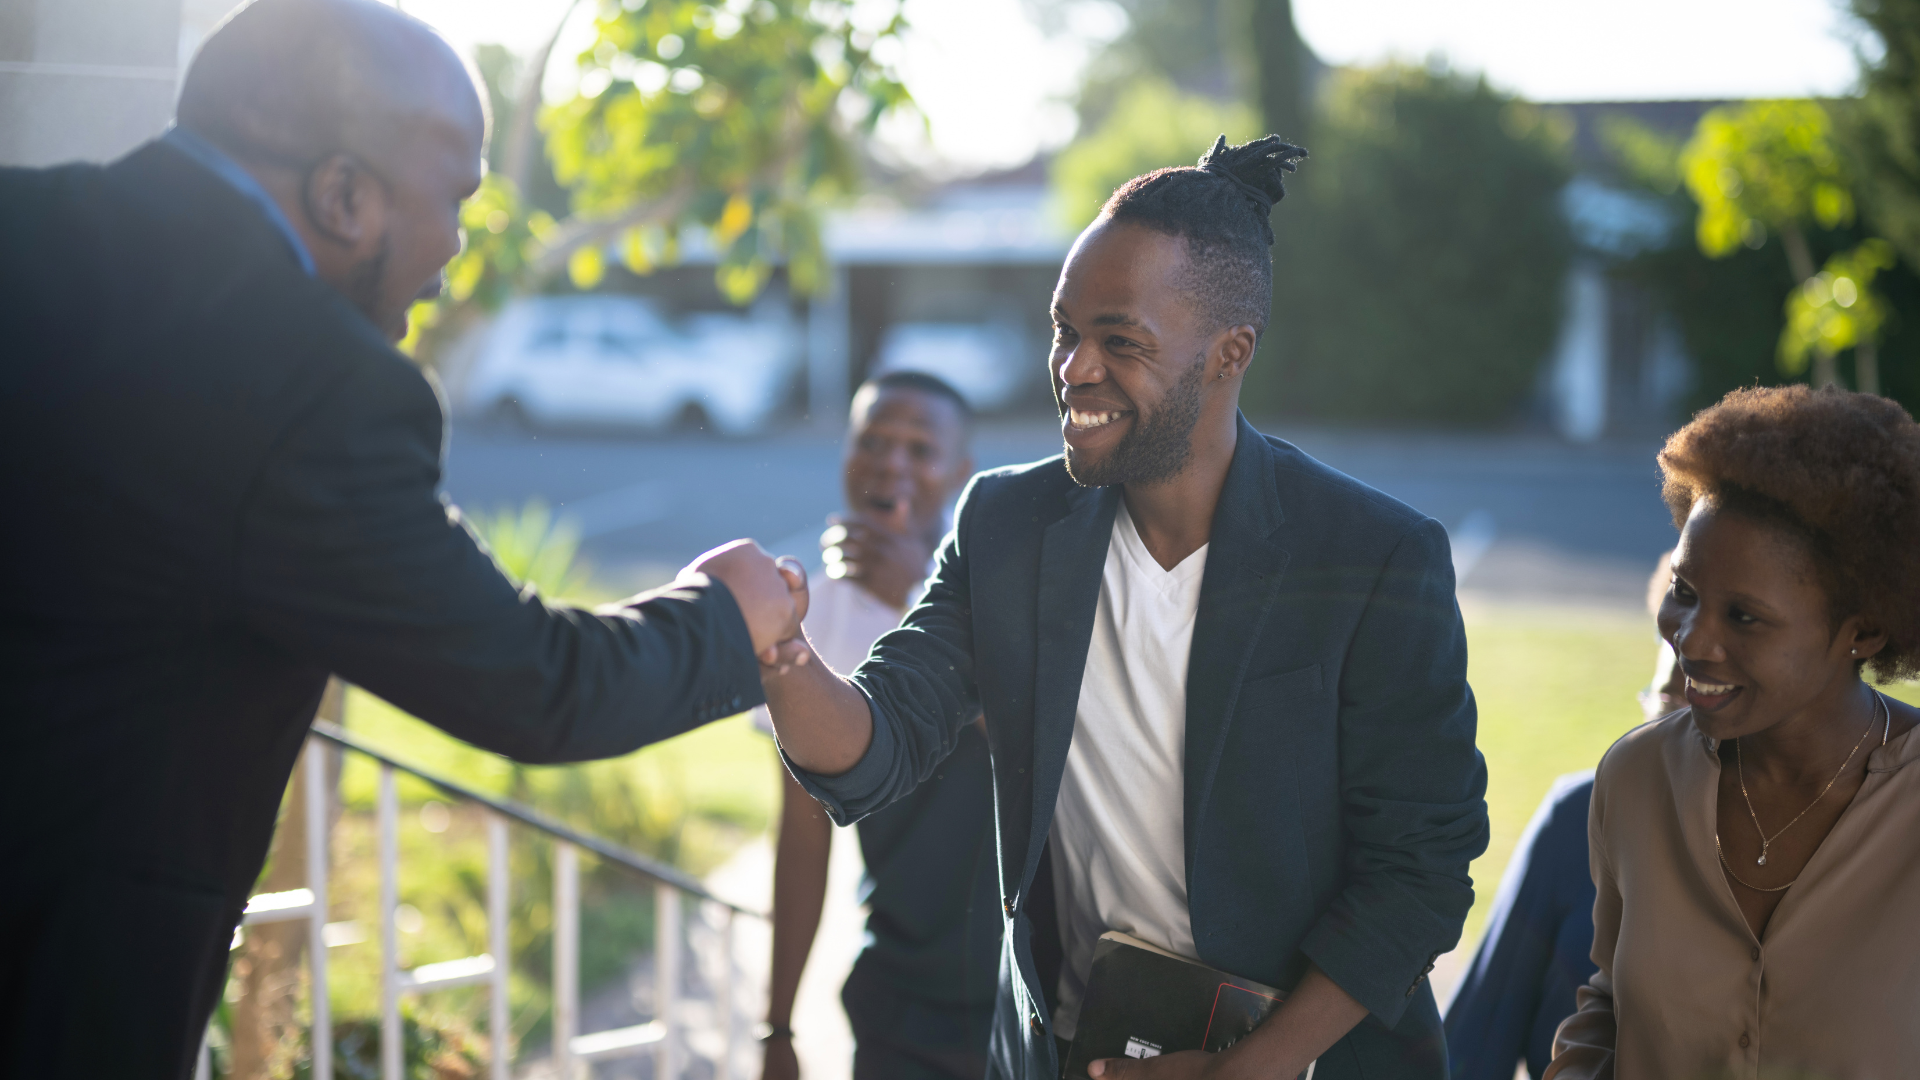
219 164
1538 948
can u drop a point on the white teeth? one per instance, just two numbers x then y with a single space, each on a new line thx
1092 419
1712 689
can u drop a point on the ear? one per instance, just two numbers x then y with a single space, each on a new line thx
345 202
1861 641
1233 350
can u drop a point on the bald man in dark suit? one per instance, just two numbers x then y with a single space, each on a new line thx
222 489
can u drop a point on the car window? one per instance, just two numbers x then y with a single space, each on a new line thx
549 338
619 344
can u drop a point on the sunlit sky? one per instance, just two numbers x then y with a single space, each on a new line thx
994 86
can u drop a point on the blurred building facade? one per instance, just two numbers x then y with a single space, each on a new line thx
1619 367
89 80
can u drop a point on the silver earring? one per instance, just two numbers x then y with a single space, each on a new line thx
1853 652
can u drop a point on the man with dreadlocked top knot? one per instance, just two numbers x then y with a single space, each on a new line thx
1224 685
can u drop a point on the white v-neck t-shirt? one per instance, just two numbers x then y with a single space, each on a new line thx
1119 846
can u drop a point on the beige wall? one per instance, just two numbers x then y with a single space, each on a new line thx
91 79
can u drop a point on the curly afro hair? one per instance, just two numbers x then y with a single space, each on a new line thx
1840 471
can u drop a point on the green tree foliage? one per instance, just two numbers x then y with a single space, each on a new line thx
1181 41
1153 125
1422 253
1280 75
1766 165
732 117
727 116
1775 165
1735 311
1836 309
1882 128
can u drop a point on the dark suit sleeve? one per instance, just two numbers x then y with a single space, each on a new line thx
920 690
1412 784
348 558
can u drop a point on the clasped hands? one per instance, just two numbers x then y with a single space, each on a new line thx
882 554
771 594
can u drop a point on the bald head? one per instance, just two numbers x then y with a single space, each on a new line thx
362 124
291 81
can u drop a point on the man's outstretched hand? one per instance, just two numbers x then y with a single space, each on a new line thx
772 596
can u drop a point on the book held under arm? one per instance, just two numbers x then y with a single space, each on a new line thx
1143 1001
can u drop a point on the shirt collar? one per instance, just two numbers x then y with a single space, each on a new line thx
219 164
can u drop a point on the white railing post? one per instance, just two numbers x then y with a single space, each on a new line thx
566 956
497 885
666 979
391 1048
318 838
665 1035
729 1024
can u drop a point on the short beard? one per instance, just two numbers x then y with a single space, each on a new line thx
1159 445
363 285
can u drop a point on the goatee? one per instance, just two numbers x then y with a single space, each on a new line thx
1158 446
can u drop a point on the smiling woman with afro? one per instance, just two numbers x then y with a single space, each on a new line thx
1840 473
1786 776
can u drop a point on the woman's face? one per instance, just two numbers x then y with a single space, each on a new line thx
1751 625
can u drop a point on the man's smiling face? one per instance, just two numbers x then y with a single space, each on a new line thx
1129 357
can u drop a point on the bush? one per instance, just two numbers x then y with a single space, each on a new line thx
1421 256
1152 126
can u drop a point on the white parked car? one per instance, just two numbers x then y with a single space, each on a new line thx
988 363
613 361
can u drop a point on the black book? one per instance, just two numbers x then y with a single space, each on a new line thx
1143 1001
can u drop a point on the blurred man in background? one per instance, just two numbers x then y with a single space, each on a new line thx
920 998
1538 947
224 489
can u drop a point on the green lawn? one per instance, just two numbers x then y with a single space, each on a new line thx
1555 688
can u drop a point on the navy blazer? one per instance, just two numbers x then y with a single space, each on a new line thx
1333 790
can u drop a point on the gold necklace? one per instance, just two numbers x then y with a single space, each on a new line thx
1764 840
1729 868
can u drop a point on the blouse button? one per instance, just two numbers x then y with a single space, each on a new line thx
1756 953
1745 1041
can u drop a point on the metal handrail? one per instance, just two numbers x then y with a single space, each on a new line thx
660 1036
527 815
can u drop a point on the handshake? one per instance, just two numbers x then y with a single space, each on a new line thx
771 594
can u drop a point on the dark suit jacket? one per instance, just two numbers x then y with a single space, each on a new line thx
1538 950
1333 791
220 487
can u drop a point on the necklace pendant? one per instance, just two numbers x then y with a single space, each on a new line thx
1761 861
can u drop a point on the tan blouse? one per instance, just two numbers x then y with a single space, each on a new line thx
1684 989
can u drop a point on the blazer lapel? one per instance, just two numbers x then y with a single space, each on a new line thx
1073 557
1245 564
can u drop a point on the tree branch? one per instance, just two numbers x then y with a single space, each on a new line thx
577 232
517 160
